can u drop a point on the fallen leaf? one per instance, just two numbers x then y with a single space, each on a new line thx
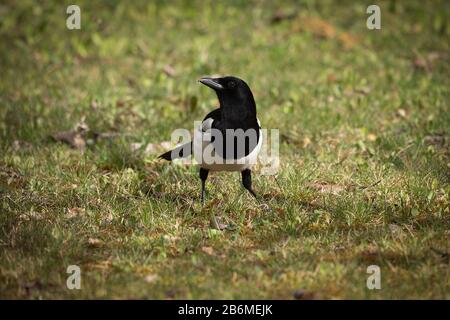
281 15
72 138
216 223
264 207
421 63
317 26
76 138
151 278
170 294
327 187
347 40
169 70
20 145
95 104
306 142
370 254
304 295
165 144
401 113
101 265
437 140
363 90
12 176
95 243
108 218
349 92
395 228
75 212
331 78
427 62
170 238
31 215
208 250
29 287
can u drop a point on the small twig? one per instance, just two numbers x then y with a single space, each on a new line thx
278 183
370 185
401 151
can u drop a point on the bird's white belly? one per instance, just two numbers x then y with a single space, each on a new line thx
207 158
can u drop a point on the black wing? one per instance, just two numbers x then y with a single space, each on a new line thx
222 126
186 149
216 115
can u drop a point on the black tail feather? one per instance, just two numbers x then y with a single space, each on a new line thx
166 156
179 152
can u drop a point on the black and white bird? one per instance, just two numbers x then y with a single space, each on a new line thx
230 137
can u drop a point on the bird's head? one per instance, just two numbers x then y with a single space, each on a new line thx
234 95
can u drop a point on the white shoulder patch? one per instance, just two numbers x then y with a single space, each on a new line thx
207 124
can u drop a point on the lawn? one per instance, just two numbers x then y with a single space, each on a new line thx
364 173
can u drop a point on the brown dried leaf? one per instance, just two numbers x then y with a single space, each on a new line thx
306 142
401 113
421 63
169 70
72 138
437 140
33 215
282 15
305 295
95 243
327 187
21 145
371 137
75 212
363 90
331 78
208 250
120 103
29 287
76 138
101 265
151 278
317 26
427 62
349 92
11 176
216 223
347 40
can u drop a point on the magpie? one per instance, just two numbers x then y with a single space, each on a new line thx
229 138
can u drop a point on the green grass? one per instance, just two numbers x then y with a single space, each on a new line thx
358 114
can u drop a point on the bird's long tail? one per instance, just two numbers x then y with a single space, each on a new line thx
182 151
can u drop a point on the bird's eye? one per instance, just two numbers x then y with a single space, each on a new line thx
231 84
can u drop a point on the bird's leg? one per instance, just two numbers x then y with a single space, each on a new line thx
203 177
247 181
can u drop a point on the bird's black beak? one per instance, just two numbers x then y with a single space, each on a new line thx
211 82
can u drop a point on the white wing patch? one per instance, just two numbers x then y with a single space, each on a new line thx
207 124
